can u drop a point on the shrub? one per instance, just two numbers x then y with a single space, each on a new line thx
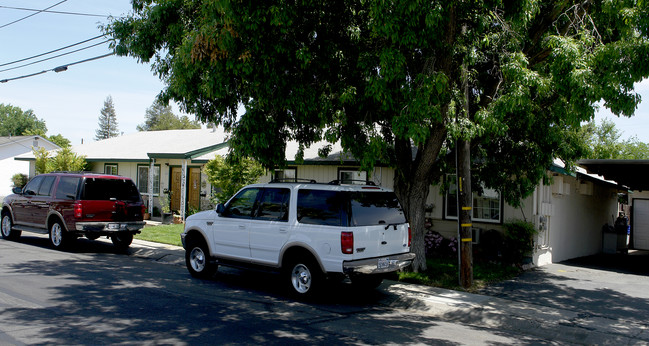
438 246
19 180
518 240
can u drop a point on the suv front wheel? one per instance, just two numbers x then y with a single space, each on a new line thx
198 261
6 226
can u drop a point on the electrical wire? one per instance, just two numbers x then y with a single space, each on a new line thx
56 12
58 69
31 15
54 57
52 51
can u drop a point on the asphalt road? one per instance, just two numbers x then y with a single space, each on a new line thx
93 295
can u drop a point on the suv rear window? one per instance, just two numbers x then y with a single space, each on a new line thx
320 207
101 189
376 208
67 188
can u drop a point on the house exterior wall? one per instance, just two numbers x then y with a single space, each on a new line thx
9 167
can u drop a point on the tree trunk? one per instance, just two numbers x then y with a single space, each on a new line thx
412 182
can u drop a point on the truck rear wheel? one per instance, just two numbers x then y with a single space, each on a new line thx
59 238
122 240
305 279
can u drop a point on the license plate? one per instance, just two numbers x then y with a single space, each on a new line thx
383 263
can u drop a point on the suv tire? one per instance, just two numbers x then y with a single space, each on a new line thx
304 277
122 240
59 238
7 231
198 261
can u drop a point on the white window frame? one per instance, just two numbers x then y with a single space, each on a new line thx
156 180
357 177
450 212
109 168
287 173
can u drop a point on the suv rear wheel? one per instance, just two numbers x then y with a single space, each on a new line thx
6 226
59 238
304 277
122 240
197 260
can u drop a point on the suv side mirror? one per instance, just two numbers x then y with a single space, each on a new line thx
17 190
220 208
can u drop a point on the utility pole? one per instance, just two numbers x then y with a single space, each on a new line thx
464 195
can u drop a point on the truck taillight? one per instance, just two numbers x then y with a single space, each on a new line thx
78 210
347 242
409 236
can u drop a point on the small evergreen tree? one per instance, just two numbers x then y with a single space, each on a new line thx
107 121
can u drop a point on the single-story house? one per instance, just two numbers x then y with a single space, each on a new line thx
569 213
11 147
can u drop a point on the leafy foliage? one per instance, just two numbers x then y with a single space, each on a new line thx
107 121
230 176
160 117
59 140
64 160
518 238
387 79
604 142
16 122
19 179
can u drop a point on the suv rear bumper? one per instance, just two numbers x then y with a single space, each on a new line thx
378 265
110 227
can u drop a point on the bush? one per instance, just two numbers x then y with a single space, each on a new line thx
19 180
518 241
438 246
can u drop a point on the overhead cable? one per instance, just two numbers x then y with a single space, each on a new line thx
56 12
54 57
52 51
58 69
31 15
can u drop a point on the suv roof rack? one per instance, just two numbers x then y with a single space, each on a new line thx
293 180
347 181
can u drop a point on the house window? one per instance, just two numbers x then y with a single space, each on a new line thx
143 179
486 205
289 174
110 168
349 176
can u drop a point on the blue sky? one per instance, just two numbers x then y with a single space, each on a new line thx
70 101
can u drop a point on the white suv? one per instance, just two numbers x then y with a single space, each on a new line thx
308 231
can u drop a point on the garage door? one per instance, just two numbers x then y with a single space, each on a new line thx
640 221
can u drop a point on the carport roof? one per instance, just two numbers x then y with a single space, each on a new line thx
633 174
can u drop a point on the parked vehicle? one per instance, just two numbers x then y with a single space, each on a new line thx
69 205
307 231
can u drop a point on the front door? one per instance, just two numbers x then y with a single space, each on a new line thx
194 188
176 175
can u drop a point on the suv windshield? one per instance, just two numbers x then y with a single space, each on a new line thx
101 189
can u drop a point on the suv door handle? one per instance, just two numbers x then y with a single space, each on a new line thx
283 230
242 226
210 223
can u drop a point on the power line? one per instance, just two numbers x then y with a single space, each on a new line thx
57 69
56 12
31 15
54 57
52 51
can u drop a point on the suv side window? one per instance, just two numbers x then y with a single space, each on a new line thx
46 186
242 204
31 188
67 188
273 205
321 207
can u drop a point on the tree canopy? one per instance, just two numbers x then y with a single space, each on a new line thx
107 121
605 141
230 176
16 122
160 117
389 79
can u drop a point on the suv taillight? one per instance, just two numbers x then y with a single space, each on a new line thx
78 210
347 242
409 236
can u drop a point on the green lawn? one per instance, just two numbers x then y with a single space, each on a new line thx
442 272
166 234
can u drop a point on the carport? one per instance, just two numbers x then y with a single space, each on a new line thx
633 175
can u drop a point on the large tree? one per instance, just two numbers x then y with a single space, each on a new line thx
16 122
604 141
390 79
107 121
160 116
